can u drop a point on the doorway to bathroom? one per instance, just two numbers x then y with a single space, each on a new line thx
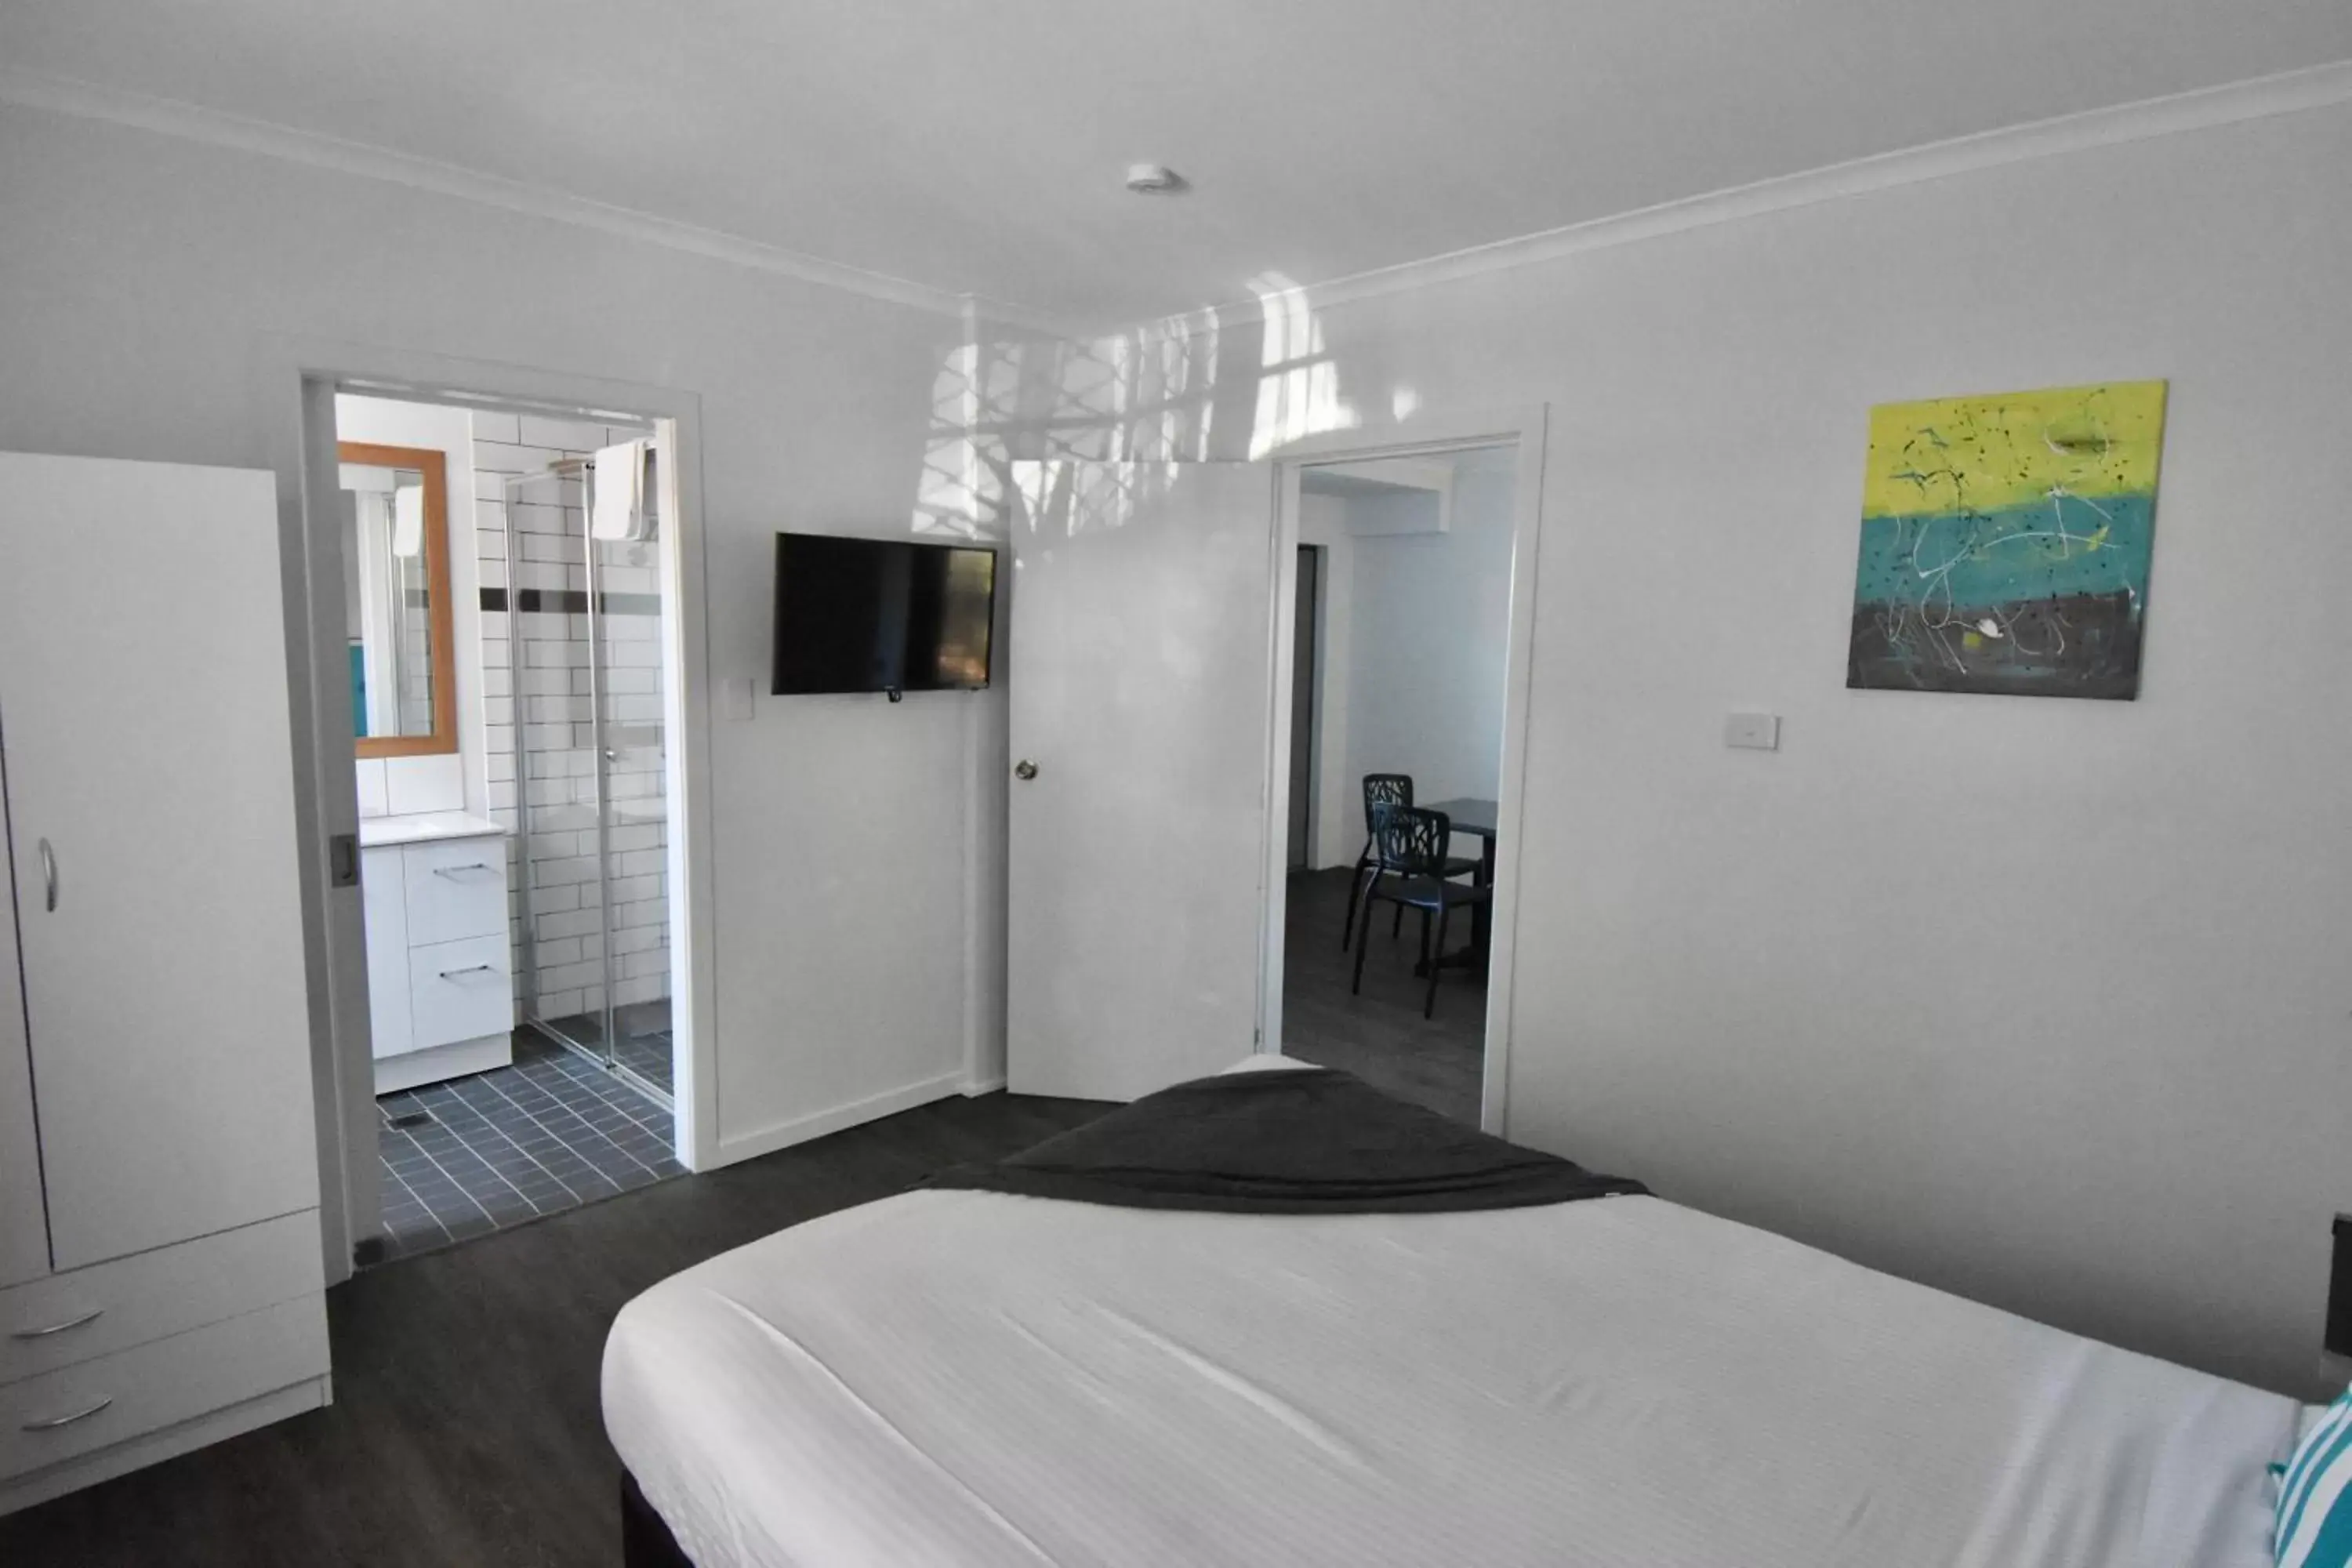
510 621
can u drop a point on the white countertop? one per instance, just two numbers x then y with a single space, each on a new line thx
424 827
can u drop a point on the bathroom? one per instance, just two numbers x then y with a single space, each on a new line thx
509 612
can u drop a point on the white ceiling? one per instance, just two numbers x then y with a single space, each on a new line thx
979 146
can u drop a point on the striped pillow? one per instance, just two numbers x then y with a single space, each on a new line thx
2315 1506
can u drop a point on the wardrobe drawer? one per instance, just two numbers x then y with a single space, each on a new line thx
68 1317
384 902
94 1405
459 990
457 889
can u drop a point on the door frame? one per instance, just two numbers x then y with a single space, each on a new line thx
1522 430
1312 640
294 380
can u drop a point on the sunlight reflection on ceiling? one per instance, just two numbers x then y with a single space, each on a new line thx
1144 400
1298 394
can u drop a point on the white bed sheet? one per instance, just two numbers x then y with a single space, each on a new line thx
957 1377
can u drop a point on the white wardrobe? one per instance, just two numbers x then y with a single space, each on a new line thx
160 1254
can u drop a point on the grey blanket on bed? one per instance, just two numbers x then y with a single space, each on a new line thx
1313 1141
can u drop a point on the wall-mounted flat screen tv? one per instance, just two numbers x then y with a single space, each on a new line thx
870 614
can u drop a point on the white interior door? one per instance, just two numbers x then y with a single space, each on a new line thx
145 707
1142 677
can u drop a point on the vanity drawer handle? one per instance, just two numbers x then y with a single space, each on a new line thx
54 1422
90 1317
469 969
453 872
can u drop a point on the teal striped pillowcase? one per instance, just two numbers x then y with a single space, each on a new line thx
2315 1505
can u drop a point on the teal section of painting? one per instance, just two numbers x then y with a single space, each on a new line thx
2038 552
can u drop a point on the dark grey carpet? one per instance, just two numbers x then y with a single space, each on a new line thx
466 1428
1380 1035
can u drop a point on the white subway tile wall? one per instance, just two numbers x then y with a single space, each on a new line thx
373 800
540 713
394 786
433 782
415 655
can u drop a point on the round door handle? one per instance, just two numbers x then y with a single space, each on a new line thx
1024 770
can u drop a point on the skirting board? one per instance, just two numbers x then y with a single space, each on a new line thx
801 1128
980 1086
456 1059
311 1394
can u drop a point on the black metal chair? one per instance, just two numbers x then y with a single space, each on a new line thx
1386 789
1410 872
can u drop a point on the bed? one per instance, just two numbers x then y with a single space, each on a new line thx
970 1376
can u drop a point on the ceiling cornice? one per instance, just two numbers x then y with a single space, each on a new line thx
193 122
2317 87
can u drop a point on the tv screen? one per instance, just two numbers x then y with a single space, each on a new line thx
868 615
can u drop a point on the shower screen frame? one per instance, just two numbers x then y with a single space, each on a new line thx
604 1047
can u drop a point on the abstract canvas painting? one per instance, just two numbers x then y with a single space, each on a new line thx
2005 542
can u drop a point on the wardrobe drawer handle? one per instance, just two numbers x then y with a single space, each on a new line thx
453 871
469 969
90 1317
54 1422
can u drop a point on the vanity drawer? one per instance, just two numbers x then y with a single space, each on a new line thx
459 990
457 889
159 1383
69 1317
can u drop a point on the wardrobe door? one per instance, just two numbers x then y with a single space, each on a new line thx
23 1230
143 677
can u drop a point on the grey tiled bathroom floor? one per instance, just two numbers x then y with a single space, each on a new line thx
647 1056
645 1043
548 1134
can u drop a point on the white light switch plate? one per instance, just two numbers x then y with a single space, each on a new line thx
735 694
1754 731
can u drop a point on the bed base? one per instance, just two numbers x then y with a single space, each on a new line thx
646 1541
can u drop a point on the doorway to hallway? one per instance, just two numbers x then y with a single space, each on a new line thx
1399 676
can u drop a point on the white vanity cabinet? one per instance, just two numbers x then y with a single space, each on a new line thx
440 992
161 1270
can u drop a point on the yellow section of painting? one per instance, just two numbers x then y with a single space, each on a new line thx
1983 454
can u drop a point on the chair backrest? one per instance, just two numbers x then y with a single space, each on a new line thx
1409 841
1385 789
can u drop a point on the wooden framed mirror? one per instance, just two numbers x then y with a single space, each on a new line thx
395 503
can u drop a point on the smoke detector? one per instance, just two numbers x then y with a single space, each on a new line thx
1155 180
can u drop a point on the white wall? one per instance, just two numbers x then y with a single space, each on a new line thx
141 275
2042 1001
443 783
1430 620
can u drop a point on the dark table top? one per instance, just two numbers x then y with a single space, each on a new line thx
1470 816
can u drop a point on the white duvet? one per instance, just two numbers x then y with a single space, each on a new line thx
957 1377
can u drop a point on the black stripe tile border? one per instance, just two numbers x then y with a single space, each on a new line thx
571 602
